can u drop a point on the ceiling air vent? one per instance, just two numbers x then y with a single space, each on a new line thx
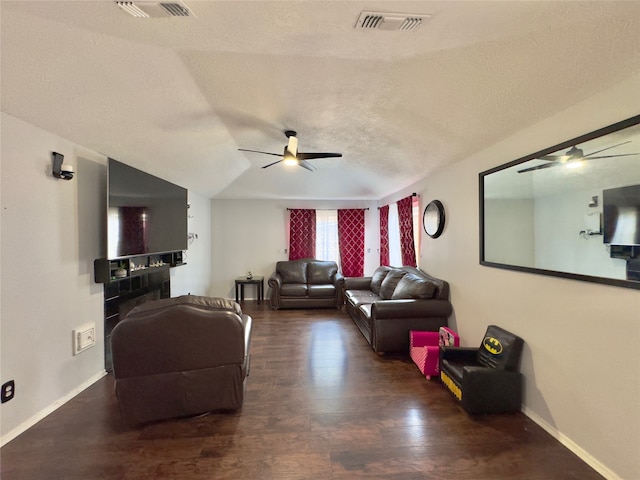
176 9
390 21
155 9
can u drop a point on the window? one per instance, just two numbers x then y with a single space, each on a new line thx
327 236
395 252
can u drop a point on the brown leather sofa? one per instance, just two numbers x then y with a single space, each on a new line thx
180 357
306 283
394 301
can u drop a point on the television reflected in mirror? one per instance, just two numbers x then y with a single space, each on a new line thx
571 210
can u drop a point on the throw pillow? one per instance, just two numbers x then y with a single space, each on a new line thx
377 278
390 282
413 286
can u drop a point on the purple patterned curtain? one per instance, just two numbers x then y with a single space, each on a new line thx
351 241
302 233
384 235
405 219
133 230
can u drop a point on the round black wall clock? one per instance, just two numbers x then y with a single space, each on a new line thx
433 218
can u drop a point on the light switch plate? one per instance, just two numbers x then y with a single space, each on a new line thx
83 337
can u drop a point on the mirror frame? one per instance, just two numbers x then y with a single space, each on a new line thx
433 224
561 146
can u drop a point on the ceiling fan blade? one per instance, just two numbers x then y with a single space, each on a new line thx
311 156
271 164
612 156
306 165
540 167
258 151
598 151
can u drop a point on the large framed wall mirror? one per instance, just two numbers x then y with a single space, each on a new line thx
572 210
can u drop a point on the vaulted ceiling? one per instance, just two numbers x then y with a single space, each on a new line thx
178 96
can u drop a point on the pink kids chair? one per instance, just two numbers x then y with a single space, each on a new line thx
425 348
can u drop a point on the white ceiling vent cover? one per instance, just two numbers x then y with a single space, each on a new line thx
156 9
390 21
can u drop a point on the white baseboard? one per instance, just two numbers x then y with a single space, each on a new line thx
574 447
24 426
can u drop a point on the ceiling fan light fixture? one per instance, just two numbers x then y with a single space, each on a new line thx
291 156
577 163
290 160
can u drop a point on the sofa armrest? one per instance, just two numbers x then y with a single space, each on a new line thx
410 308
247 323
338 280
357 283
275 280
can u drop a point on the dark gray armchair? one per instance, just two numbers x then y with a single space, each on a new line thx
180 357
486 379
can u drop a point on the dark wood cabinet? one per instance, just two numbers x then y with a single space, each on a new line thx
130 282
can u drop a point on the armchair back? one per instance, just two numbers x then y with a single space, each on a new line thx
180 356
500 349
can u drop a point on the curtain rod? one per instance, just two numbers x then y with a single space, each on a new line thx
367 208
414 194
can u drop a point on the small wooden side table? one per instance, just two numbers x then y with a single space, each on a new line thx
257 281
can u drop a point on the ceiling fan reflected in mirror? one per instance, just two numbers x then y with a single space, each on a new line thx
291 156
574 157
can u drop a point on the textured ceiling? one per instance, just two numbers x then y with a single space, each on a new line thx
178 96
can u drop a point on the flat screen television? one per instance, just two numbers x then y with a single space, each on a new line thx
145 214
621 215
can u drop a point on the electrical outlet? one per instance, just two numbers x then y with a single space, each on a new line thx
8 391
84 337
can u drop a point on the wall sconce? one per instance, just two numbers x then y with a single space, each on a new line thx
594 201
64 172
593 225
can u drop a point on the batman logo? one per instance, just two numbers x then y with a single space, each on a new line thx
492 345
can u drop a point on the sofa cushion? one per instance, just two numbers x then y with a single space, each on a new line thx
319 273
293 271
377 278
413 286
360 297
294 290
321 291
390 282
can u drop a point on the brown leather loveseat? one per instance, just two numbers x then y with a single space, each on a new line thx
393 301
180 357
306 283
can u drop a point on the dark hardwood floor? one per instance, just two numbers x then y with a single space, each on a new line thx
319 405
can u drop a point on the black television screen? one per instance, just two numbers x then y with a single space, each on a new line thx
621 215
145 214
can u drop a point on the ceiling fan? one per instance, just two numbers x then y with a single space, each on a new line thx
291 156
573 157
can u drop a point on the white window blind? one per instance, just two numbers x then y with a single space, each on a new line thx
395 254
327 236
